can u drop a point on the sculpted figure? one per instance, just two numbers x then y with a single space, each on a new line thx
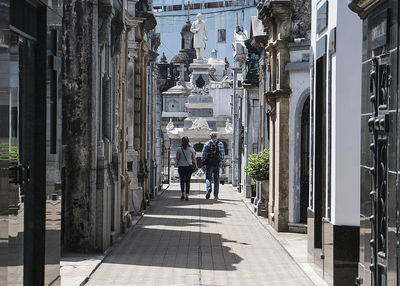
199 29
170 125
228 127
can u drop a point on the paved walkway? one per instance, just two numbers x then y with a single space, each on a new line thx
199 242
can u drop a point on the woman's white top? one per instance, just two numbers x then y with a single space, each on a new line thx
188 152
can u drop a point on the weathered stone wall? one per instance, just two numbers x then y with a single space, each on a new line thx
105 119
77 118
285 21
301 18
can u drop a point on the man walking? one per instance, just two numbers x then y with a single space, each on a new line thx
213 157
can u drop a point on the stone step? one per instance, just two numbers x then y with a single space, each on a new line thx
297 227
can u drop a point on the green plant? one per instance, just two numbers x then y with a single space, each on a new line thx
14 156
10 154
258 166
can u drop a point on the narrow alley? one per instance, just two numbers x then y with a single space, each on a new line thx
198 242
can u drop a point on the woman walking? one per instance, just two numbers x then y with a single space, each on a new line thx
186 158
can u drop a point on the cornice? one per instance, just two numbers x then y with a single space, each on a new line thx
150 20
133 22
280 10
364 7
259 42
277 45
277 93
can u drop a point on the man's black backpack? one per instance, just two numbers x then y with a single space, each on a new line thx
212 154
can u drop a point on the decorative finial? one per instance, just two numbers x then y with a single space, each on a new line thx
163 59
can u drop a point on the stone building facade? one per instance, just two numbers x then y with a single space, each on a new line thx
176 83
109 100
246 74
79 137
284 73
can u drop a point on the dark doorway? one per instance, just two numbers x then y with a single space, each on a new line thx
305 156
198 147
320 148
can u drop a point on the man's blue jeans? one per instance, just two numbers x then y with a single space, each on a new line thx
212 172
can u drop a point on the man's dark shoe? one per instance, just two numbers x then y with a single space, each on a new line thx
208 194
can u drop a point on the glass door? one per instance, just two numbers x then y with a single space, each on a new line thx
18 175
13 174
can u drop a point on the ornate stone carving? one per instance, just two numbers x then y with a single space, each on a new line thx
200 124
228 127
203 91
170 125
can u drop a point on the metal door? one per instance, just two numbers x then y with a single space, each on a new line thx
380 80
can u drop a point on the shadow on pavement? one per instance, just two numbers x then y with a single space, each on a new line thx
155 242
172 248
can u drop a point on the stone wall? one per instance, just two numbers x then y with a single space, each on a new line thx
78 113
107 126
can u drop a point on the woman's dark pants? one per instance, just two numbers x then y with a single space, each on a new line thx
185 172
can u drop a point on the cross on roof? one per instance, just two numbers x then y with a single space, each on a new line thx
188 11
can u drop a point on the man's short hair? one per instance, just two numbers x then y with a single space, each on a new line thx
213 134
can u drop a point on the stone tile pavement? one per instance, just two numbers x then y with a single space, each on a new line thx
76 267
198 242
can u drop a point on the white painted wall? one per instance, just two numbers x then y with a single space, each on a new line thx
346 114
222 99
346 108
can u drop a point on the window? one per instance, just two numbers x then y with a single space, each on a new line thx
221 36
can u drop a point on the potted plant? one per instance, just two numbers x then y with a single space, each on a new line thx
258 169
258 166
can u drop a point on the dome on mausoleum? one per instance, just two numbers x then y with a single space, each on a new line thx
181 57
218 66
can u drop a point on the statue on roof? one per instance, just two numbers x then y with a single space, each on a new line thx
199 29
